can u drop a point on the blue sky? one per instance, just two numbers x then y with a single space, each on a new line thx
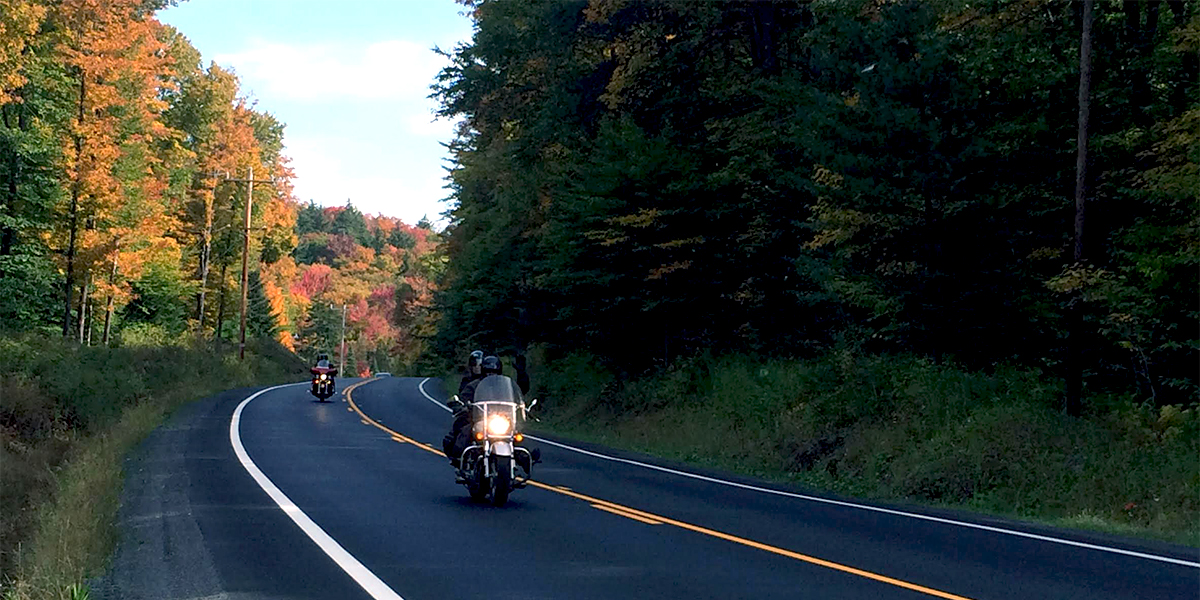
350 80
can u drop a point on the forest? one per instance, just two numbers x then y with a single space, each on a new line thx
854 244
943 252
123 162
651 182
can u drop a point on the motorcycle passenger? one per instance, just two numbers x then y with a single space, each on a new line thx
456 441
474 370
323 365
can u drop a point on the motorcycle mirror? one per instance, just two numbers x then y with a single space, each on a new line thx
532 403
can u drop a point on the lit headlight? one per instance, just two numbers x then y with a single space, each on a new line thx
323 376
498 425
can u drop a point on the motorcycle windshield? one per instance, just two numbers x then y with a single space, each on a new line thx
497 388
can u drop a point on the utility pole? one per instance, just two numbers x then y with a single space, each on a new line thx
342 357
249 181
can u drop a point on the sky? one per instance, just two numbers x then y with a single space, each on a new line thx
350 78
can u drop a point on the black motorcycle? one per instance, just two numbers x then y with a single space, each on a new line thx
494 465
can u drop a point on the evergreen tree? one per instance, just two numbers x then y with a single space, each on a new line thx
261 321
311 219
350 222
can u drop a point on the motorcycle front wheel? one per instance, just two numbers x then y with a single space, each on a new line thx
478 486
502 482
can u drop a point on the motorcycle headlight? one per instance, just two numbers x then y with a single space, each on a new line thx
323 376
498 425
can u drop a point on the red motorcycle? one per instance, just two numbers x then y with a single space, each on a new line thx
323 382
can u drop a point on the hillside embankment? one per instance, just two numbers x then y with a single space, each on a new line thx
68 416
904 429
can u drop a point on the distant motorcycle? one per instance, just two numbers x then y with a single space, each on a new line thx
323 385
493 465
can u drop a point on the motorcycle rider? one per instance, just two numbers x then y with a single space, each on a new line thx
323 366
456 441
474 370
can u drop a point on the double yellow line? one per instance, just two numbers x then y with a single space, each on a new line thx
653 519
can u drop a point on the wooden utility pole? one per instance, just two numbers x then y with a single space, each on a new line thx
249 181
1074 399
245 262
342 358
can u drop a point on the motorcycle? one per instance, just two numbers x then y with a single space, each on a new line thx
493 465
323 384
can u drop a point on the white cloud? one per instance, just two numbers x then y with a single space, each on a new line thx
408 192
360 123
387 70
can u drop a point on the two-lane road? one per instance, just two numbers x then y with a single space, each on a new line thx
278 496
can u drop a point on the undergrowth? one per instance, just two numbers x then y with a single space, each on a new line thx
901 428
68 416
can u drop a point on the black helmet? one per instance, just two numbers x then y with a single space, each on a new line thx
492 366
474 361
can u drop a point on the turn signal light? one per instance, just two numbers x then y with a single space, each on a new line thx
519 438
479 435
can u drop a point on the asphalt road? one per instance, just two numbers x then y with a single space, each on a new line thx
341 500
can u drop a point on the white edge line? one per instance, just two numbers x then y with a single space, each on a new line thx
1032 536
361 575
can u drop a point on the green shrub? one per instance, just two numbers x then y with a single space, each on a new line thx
899 427
68 414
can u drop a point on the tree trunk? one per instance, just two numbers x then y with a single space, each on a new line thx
221 303
8 234
1074 399
205 253
108 314
84 288
69 284
1190 66
112 281
91 313
1139 42
764 48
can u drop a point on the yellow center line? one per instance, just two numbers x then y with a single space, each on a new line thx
626 515
652 518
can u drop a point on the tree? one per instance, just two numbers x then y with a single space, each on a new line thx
311 219
1074 372
114 57
19 21
350 222
796 177
400 238
261 320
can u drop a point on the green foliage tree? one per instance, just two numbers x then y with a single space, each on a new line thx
647 180
311 219
261 321
349 222
401 239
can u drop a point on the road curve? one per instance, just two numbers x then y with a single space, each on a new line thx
351 499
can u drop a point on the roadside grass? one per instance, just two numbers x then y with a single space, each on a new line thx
68 416
899 428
